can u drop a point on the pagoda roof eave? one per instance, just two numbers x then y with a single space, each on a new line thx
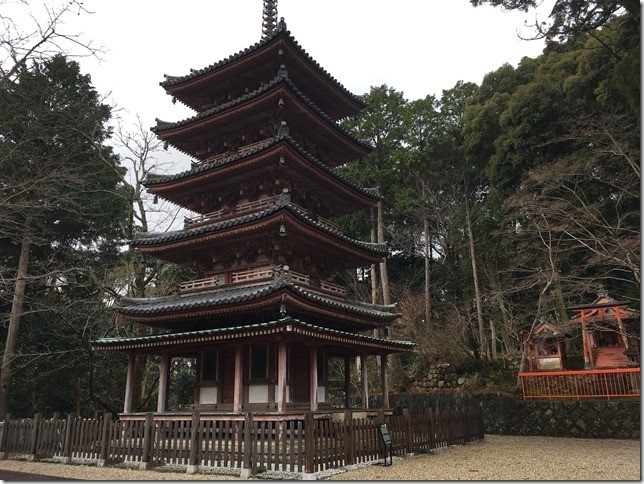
158 238
172 84
284 326
165 128
172 307
152 180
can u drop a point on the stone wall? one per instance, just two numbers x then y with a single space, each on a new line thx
511 415
438 377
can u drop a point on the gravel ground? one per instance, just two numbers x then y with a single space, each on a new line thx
505 457
497 458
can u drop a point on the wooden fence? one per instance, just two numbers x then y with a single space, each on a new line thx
250 443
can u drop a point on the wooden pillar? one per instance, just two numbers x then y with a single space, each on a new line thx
238 395
347 382
365 381
164 382
313 365
195 444
622 330
281 376
588 352
129 381
384 383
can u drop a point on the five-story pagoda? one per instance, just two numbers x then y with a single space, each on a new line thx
263 320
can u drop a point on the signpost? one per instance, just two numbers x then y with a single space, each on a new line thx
386 440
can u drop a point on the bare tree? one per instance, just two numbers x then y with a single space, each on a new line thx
27 34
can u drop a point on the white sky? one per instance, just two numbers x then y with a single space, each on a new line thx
419 47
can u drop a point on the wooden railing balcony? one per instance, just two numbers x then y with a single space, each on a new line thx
201 284
258 275
250 207
224 214
609 383
238 151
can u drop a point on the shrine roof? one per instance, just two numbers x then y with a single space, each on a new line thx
285 325
226 296
280 31
601 302
157 179
153 238
279 79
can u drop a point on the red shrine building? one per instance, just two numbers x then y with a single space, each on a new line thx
264 320
610 333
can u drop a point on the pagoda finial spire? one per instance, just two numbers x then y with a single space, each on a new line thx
269 18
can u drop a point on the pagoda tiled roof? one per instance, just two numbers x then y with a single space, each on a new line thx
284 325
157 179
281 31
279 79
153 238
234 295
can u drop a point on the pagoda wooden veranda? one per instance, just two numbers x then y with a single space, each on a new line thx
263 320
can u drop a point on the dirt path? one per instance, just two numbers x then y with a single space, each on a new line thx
497 458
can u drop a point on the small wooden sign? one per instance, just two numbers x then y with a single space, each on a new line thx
386 440
384 434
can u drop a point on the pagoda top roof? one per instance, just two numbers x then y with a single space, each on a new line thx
284 325
233 295
153 238
152 179
281 78
280 32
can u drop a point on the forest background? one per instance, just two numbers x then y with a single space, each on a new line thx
505 203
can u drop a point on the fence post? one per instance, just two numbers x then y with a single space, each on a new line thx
147 441
432 428
33 442
309 447
67 443
481 424
349 450
409 431
4 437
195 447
249 444
102 458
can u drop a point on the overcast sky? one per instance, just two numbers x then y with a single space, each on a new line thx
419 47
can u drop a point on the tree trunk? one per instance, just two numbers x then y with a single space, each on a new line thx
386 298
484 349
14 320
374 275
428 270
374 272
560 307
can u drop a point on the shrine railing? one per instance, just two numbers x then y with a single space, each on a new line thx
609 383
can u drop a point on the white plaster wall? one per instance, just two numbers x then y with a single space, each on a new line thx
321 394
208 395
288 393
258 393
